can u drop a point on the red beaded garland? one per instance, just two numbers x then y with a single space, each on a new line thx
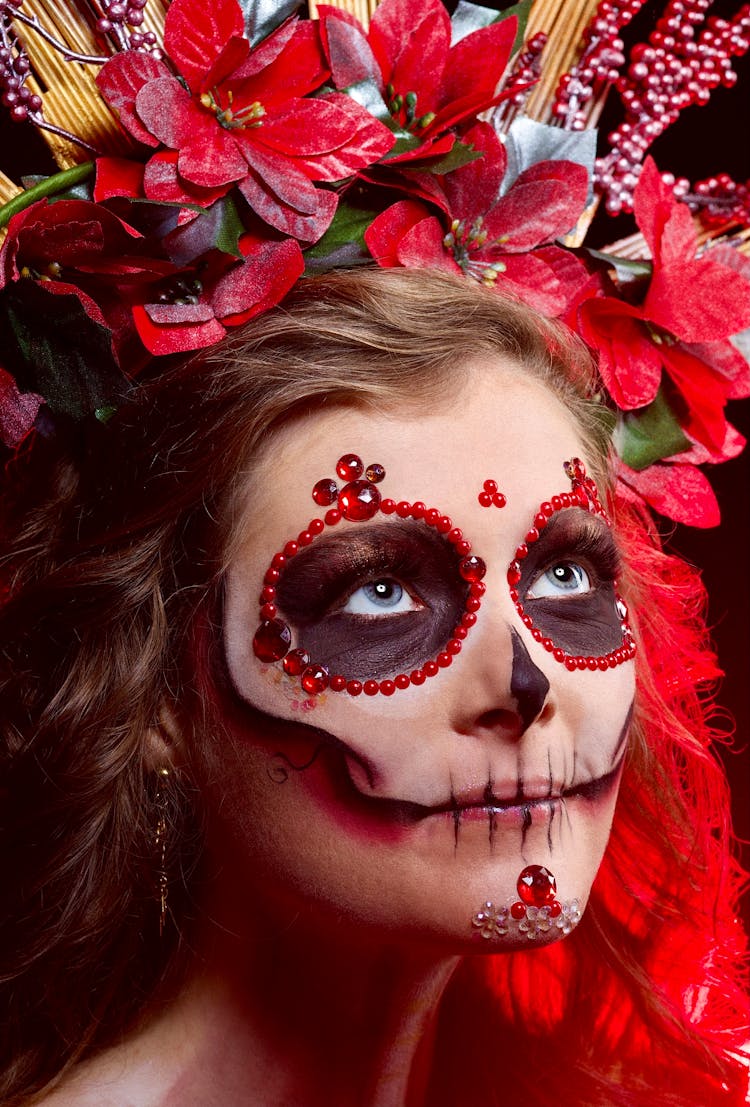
272 640
349 467
536 886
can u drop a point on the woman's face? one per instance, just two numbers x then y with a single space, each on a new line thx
408 812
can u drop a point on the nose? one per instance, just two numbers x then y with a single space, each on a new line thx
504 692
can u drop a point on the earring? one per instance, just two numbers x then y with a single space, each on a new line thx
160 842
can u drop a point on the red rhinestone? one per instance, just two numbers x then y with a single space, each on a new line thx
268 595
602 663
354 687
468 618
387 687
555 909
478 588
472 568
349 467
455 536
518 910
526 620
268 611
431 516
514 595
359 500
556 503
548 644
417 676
401 681
490 486
325 492
514 572
499 500
418 509
291 549
295 662
332 517
460 632
485 499
278 561
570 663
547 509
565 499
558 654
536 886
463 548
611 661
403 509
316 526
430 668
522 551
375 473
581 663
273 576
371 688
444 525
592 663
337 683
540 521
272 640
304 538
473 603
388 507
454 646
532 536
444 659
536 634
314 680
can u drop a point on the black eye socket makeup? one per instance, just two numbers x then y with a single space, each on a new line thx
375 608
387 604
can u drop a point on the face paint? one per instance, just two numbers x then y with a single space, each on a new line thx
373 604
563 580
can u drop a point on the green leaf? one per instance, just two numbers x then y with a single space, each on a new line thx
469 17
649 434
367 95
344 241
52 347
48 186
627 270
463 153
229 229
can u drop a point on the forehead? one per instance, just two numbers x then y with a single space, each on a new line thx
497 424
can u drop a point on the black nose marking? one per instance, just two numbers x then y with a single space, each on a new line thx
528 684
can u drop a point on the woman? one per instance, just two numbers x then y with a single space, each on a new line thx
316 796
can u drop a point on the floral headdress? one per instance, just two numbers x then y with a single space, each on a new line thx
213 154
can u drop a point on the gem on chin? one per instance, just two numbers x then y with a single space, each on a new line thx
536 886
272 640
359 501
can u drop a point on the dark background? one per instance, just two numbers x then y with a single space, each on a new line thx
705 141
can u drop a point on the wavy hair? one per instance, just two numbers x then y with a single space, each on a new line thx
114 541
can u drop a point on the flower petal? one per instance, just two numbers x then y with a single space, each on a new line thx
476 64
681 492
196 34
411 46
269 271
474 188
307 226
387 229
349 53
542 204
699 302
665 222
173 336
629 363
422 247
121 79
117 177
290 62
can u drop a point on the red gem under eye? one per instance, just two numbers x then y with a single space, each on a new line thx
337 683
315 679
325 492
472 568
359 500
417 676
375 473
349 467
295 662
401 681
354 687
536 886
272 640
371 687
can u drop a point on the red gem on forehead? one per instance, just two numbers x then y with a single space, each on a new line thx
536 886
349 467
359 501
325 492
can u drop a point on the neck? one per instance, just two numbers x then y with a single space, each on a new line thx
307 1015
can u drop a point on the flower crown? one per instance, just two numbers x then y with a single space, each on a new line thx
255 147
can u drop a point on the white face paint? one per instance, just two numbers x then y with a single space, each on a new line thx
418 807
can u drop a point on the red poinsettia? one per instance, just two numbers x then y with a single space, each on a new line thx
693 305
427 84
194 308
492 237
239 115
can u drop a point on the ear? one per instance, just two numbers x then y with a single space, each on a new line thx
164 746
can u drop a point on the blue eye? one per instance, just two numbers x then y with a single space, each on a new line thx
564 578
380 597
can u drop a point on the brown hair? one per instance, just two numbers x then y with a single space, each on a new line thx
113 539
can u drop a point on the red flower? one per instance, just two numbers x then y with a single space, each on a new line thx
692 307
427 84
195 306
243 118
489 236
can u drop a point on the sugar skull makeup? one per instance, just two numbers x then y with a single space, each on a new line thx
383 607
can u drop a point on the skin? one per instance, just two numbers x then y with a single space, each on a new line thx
342 894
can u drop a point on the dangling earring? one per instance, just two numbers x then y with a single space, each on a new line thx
160 841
